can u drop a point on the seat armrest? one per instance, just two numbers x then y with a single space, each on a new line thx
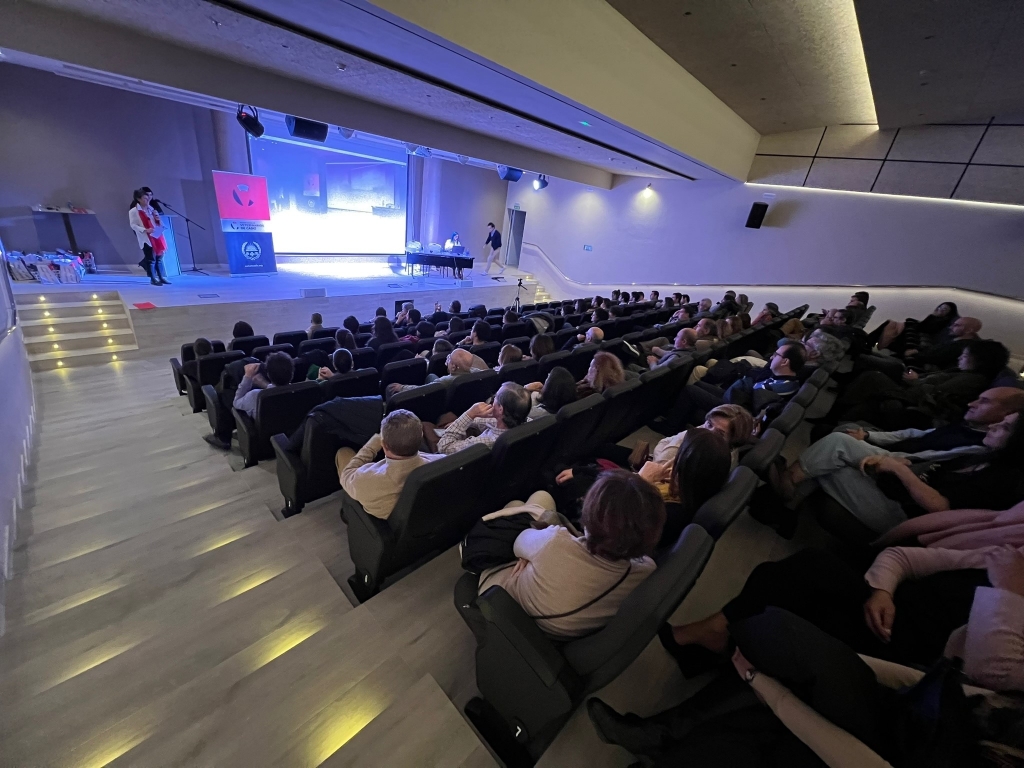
370 544
290 472
179 377
212 400
247 437
195 395
508 617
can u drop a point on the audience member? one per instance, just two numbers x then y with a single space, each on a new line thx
768 314
341 362
891 334
510 408
455 325
351 323
593 335
345 339
383 333
276 372
316 322
558 389
541 344
242 330
481 334
201 347
685 341
509 353
376 485
460 362
655 296
402 317
573 584
605 371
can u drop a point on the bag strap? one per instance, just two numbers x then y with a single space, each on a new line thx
586 605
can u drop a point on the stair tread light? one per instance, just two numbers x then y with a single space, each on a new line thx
113 357
60 363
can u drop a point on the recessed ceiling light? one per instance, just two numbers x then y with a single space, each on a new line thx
764 98
732 65
688 13
342 67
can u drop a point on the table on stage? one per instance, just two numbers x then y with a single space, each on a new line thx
442 261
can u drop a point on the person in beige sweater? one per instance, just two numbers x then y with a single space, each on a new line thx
377 484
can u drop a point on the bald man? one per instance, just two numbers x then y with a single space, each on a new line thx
459 362
835 460
945 354
594 335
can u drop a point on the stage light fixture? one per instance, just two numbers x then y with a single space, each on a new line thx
249 118
648 191
540 182
508 173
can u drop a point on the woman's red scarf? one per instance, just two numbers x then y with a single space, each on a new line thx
152 222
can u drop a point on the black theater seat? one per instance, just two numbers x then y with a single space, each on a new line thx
325 333
387 352
427 402
247 344
518 458
209 369
327 345
523 342
278 410
364 382
404 372
523 372
549 362
262 353
470 388
364 358
438 505
487 352
291 337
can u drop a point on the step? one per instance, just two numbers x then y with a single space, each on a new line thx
420 727
77 358
72 309
73 325
68 342
57 296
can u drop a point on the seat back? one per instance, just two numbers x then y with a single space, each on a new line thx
523 342
188 353
805 395
760 457
324 345
618 348
262 353
655 401
438 364
819 378
517 458
428 401
386 352
404 372
511 330
362 338
563 336
789 419
456 336
717 513
439 504
487 352
212 366
364 358
291 337
364 382
282 409
550 362
579 359
610 327
620 413
246 344
325 333
424 345
523 372
470 388
578 421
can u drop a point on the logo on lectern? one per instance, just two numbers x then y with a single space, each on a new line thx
242 196
251 250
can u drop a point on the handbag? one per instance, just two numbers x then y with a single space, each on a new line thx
933 724
489 543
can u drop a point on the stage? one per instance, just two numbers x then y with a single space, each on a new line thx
208 305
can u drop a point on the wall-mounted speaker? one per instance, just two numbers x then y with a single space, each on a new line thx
508 173
301 128
757 212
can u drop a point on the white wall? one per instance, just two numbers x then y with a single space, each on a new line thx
693 233
470 197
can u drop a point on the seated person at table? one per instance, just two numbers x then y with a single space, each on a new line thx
378 484
511 407
277 373
558 389
341 361
316 323
605 371
573 585
882 491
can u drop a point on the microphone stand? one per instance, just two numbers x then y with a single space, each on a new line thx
191 250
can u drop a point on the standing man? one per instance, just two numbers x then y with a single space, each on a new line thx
494 242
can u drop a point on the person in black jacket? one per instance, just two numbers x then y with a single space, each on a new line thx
493 241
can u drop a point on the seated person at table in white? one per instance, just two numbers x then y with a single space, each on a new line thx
573 585
377 484
452 242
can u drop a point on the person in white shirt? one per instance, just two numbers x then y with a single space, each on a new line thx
378 484
145 220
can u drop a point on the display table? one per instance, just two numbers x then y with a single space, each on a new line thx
442 261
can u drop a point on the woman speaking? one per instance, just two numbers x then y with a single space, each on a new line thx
145 220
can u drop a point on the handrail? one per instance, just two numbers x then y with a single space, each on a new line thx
8 327
836 286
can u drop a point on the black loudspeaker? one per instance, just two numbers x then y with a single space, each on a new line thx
757 212
301 128
508 173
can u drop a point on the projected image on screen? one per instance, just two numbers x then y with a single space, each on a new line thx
342 197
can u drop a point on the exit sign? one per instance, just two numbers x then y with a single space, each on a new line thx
588 247
515 207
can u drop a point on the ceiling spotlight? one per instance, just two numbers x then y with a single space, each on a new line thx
648 191
463 159
540 182
348 133
249 118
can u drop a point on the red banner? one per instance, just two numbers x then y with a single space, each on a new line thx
241 196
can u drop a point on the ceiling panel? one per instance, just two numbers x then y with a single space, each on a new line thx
940 61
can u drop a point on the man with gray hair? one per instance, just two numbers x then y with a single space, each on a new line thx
510 408
377 484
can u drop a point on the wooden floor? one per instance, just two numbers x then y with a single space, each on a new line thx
160 613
